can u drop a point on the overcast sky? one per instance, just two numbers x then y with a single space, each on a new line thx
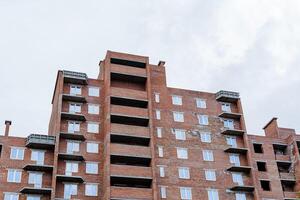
250 46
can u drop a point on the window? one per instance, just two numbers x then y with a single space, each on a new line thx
265 185
258 148
205 137
228 123
185 193
69 190
74 108
210 175
208 155
33 197
200 103
163 192
35 178
92 147
231 141
14 176
182 153
91 168
177 100
161 171
75 90
93 127
234 159
160 151
73 126
11 196
240 196
157 114
261 166
94 91
38 156
184 172
93 109
72 147
213 194
226 107
203 119
180 134
156 96
237 178
178 116
71 167
17 153
91 189
159 132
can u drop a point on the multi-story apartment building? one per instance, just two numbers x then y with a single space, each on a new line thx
127 136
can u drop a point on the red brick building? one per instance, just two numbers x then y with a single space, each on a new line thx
127 136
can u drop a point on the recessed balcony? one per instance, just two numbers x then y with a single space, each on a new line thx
129 140
227 96
234 132
137 131
67 156
73 98
230 115
37 167
37 141
128 70
130 171
75 77
72 116
72 136
133 182
287 176
128 93
290 195
118 193
244 169
66 178
242 188
238 150
130 160
35 190
130 150
129 120
129 111
121 101
129 63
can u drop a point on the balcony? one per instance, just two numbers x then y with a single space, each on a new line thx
72 116
233 132
242 188
288 176
75 77
128 93
128 70
230 115
129 150
130 182
121 101
129 63
129 120
35 190
73 98
238 150
129 111
36 167
130 160
130 171
40 141
130 193
290 195
66 178
137 131
72 136
129 140
227 96
67 156
244 169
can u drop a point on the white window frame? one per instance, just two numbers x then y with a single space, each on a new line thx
225 107
203 119
161 169
228 123
237 178
73 146
213 194
160 151
163 192
93 109
73 190
178 116
208 155
156 97
73 126
180 134
210 175
74 107
159 132
157 114
33 197
177 100
205 137
186 193
184 172
11 196
18 155
16 175
36 179
95 186
200 103
91 167
235 159
93 91
92 147
93 127
38 156
182 153
231 141
71 167
76 91
242 196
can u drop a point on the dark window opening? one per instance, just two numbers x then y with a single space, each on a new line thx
135 121
261 166
284 167
0 150
288 186
129 140
257 148
280 149
128 63
130 182
128 102
128 81
265 185
129 160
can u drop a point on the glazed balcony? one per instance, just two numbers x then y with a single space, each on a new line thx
227 96
230 115
123 69
72 116
37 167
72 136
128 93
130 193
234 132
73 98
137 131
244 169
69 178
40 141
36 191
129 111
130 171
129 150
75 77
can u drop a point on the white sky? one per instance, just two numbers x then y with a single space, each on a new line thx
250 46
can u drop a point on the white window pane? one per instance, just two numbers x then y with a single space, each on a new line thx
182 153
201 103
231 140
213 195
11 196
75 90
94 91
69 190
237 178
180 134
159 132
91 168
74 108
93 109
163 192
205 137
161 171
226 107
72 147
93 127
177 100
210 175
71 167
91 190
36 179
14 176
208 155
92 147
17 153
185 193
234 159
228 123
33 197
178 116
160 152
38 156
73 126
241 196
156 97
157 114
184 172
203 119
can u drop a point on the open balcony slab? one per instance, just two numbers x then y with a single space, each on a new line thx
129 120
68 156
230 115
35 190
122 101
132 182
73 98
37 141
234 132
238 150
130 160
72 136
242 188
72 116
129 140
130 150
37 167
244 169
67 178
75 77
227 96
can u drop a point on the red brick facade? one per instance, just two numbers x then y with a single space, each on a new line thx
139 142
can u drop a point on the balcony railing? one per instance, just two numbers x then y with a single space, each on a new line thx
287 176
227 96
40 141
75 77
